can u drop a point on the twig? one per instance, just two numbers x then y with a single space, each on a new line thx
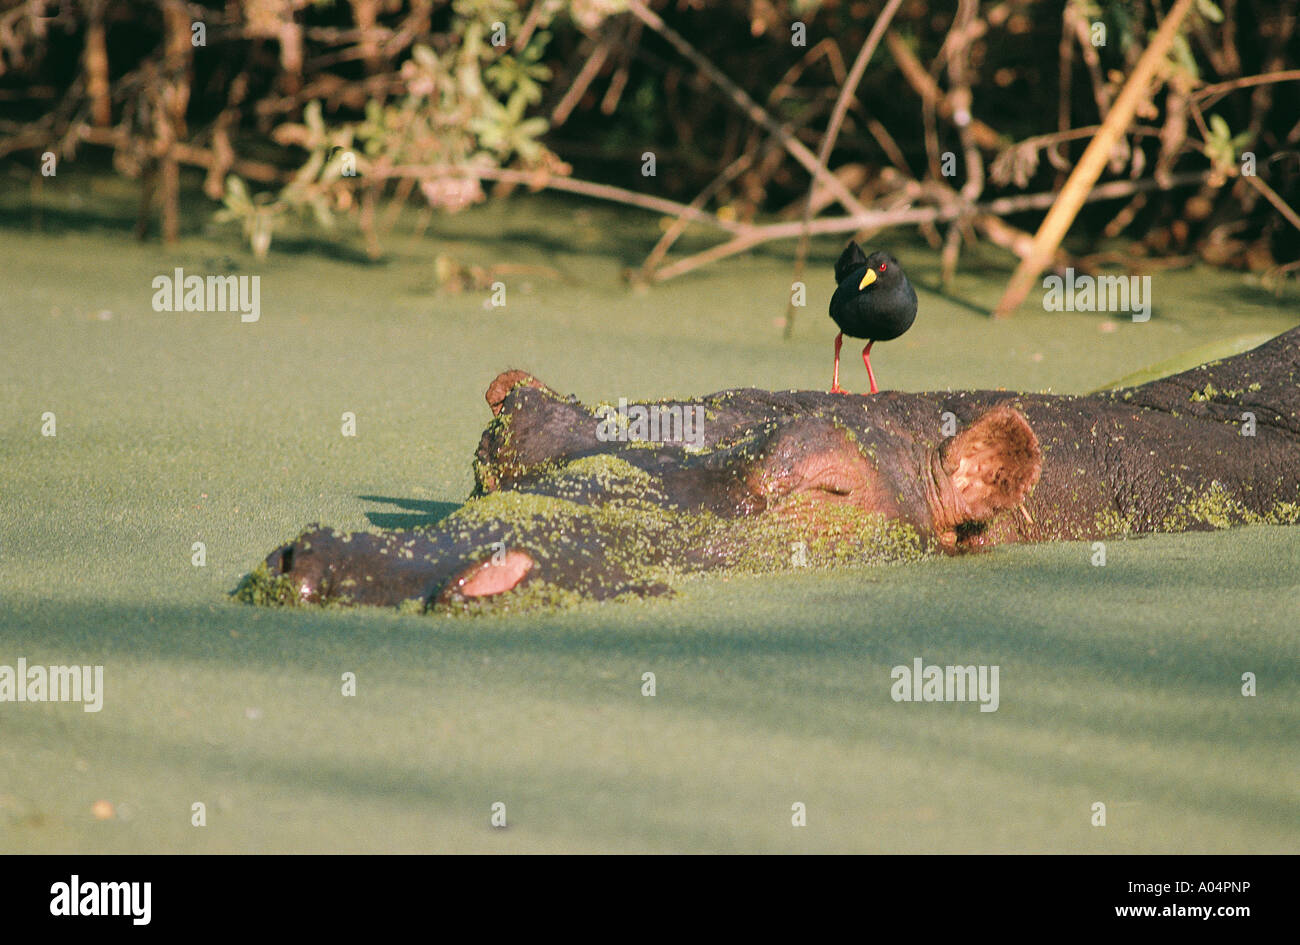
1064 85
95 59
888 145
732 171
1065 53
1064 210
193 156
1001 206
958 60
825 47
1091 59
1274 198
586 75
618 82
925 86
1290 75
962 99
1121 220
575 186
529 26
1000 233
737 245
746 104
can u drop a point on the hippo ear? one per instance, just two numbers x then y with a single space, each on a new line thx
990 467
504 383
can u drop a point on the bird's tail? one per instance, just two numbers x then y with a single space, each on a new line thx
850 259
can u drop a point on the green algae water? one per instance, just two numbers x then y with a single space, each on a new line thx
1120 683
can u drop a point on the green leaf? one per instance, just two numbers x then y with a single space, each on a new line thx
1209 10
236 198
534 127
311 115
320 209
424 56
1183 56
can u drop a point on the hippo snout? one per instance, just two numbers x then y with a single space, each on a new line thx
299 570
323 566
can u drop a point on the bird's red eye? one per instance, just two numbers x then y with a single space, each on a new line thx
883 267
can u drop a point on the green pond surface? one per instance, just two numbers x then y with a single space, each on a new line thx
1119 684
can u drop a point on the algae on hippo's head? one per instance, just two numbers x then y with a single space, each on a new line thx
597 528
1213 508
600 479
265 589
533 597
656 551
1217 507
1113 523
599 551
809 532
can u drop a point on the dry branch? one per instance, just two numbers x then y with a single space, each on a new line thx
752 236
1064 210
573 186
746 104
925 86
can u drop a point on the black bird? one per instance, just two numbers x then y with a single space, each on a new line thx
874 301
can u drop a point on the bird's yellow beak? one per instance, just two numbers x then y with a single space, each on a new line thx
869 278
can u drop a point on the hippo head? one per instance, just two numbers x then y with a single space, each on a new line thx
949 489
562 507
797 465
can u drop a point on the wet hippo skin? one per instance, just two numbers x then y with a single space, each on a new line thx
768 480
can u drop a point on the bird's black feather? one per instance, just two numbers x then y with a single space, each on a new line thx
880 311
850 259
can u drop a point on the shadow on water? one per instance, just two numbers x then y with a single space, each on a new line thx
1253 294
57 221
419 513
624 248
322 247
933 287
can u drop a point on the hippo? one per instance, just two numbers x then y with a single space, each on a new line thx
574 502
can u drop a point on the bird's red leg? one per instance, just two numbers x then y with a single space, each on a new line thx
866 359
835 379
